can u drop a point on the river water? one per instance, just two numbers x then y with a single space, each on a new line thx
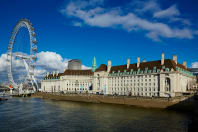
39 115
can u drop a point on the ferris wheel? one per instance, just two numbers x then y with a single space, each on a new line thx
28 59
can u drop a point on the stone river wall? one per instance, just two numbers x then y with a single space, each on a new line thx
124 100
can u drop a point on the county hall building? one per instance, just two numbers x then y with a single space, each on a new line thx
160 78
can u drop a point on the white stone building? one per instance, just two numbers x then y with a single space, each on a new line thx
161 78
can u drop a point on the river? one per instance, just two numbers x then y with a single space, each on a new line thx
41 115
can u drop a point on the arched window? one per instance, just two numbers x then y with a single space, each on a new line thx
167 84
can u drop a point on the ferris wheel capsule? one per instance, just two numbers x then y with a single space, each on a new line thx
34 41
33 34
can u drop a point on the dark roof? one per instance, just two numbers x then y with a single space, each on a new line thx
75 60
77 72
102 67
168 63
70 72
55 75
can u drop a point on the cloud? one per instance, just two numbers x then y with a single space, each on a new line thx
51 60
77 24
145 6
167 13
96 15
194 65
46 62
3 62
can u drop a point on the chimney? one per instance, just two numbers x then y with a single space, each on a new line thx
162 59
128 63
57 72
109 66
47 74
175 58
53 73
185 63
138 62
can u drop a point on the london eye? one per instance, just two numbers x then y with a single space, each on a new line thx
27 59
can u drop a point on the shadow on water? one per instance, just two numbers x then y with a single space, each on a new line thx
189 106
111 117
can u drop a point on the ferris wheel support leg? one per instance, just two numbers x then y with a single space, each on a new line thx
27 69
35 83
10 91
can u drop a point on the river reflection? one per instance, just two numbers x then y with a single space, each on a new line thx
33 114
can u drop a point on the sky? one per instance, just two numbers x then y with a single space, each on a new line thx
107 29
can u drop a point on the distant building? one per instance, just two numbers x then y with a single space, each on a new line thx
160 78
74 64
194 71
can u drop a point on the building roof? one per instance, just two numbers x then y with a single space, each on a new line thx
102 67
71 72
55 75
77 72
74 60
168 63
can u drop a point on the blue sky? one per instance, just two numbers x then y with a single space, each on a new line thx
107 29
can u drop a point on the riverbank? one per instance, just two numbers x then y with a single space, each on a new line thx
124 100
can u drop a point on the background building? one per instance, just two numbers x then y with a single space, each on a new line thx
74 64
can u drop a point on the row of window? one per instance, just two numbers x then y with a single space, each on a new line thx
53 88
132 84
74 84
76 89
133 80
134 89
137 93
129 77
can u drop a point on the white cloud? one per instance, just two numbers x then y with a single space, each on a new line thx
16 63
194 65
51 60
145 6
115 18
46 62
3 62
152 7
77 24
167 13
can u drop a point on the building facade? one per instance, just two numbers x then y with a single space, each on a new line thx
161 78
